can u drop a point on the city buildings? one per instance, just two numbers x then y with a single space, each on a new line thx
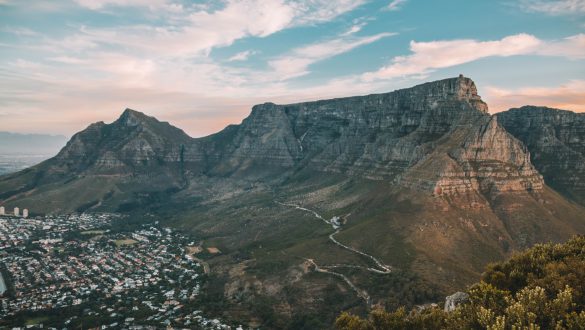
141 277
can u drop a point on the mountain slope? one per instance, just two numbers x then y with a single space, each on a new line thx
423 181
136 154
556 140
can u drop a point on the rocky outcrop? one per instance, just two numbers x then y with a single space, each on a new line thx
491 161
556 140
454 300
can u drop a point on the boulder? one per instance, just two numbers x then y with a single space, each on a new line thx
454 300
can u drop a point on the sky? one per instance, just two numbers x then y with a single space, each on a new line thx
202 65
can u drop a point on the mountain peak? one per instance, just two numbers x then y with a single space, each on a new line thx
464 88
132 117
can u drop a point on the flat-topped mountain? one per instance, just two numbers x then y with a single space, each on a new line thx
436 136
424 180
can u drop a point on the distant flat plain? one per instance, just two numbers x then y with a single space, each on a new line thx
15 163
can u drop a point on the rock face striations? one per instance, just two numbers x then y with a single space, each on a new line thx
437 137
375 136
133 143
556 140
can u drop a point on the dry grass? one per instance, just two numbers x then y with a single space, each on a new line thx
213 250
124 242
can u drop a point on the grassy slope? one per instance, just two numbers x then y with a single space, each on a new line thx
437 245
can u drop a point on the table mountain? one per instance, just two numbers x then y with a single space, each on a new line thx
423 180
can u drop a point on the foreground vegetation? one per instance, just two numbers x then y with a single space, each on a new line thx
541 288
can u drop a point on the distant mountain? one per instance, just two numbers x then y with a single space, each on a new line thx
556 140
422 179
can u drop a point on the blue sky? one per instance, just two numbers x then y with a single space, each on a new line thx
202 64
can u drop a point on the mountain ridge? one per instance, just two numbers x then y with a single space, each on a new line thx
423 179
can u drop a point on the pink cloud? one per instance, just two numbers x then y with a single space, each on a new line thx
569 96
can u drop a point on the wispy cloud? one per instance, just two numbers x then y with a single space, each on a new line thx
297 64
572 47
554 7
19 31
242 56
395 5
203 28
99 4
427 57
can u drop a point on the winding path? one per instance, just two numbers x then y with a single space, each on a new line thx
381 268
385 269
361 293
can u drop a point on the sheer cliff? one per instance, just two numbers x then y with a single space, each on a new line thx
436 137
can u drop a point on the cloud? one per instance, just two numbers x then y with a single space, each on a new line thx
554 7
427 57
354 29
99 4
569 96
162 61
318 11
572 47
19 31
196 30
297 63
395 5
242 56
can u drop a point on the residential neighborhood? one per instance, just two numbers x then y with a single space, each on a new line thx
80 268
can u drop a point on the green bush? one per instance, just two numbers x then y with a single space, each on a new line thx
541 288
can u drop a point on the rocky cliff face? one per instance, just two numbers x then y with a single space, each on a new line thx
488 160
376 136
436 137
130 144
556 140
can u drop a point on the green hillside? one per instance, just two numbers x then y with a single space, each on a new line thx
540 288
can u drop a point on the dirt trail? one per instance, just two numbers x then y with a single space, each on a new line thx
381 268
